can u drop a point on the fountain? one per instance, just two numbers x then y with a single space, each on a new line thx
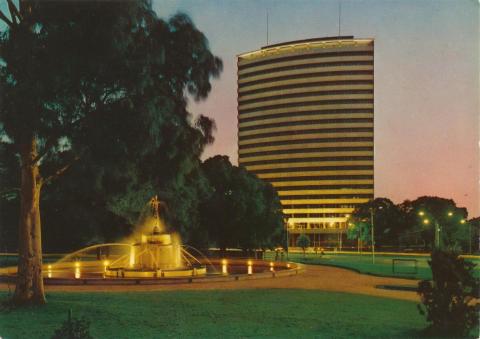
156 254
152 254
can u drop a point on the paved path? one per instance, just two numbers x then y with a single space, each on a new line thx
316 277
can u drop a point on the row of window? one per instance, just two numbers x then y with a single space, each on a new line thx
320 54
305 113
299 206
306 122
314 215
303 76
305 104
306 95
312 168
305 141
320 177
304 66
327 196
306 150
306 131
304 86
313 160
319 187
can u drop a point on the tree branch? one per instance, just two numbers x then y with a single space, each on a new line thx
4 18
14 12
48 146
60 171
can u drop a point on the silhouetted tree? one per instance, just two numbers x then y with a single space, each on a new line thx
240 210
303 242
450 299
101 83
424 214
388 220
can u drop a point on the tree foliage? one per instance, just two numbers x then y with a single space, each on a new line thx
449 300
387 218
439 212
303 242
102 84
402 225
240 210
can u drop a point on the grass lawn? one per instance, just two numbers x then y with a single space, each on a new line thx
240 313
363 263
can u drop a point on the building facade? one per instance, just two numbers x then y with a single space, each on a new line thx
305 124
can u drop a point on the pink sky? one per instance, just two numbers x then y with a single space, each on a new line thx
426 81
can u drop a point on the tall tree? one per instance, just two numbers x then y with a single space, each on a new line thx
241 210
433 217
103 82
388 221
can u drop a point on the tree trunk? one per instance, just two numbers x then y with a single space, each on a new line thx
29 288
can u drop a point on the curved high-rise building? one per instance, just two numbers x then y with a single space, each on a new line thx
305 124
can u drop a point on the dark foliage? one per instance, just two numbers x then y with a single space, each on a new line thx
303 242
239 209
103 88
450 299
73 328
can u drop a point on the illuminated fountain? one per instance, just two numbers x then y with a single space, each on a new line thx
151 254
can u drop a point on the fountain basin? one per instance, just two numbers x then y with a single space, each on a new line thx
93 273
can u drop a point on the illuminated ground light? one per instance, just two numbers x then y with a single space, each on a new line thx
272 266
105 265
49 271
77 270
249 267
224 266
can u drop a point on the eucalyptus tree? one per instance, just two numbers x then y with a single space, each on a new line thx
102 83
239 210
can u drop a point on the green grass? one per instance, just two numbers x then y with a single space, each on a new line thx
239 313
363 264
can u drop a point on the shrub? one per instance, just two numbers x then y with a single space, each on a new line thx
450 299
73 329
303 241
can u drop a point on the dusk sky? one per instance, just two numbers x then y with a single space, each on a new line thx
426 81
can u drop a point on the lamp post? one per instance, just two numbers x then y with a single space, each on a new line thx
373 236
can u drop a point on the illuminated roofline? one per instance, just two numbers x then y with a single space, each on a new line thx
297 42
304 44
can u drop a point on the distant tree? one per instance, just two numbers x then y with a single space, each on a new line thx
473 244
103 82
424 214
449 300
388 220
240 210
303 242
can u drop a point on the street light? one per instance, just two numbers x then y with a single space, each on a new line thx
436 225
373 232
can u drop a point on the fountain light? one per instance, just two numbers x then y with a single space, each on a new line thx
77 264
224 266
249 267
271 266
105 264
288 265
132 256
77 273
49 271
